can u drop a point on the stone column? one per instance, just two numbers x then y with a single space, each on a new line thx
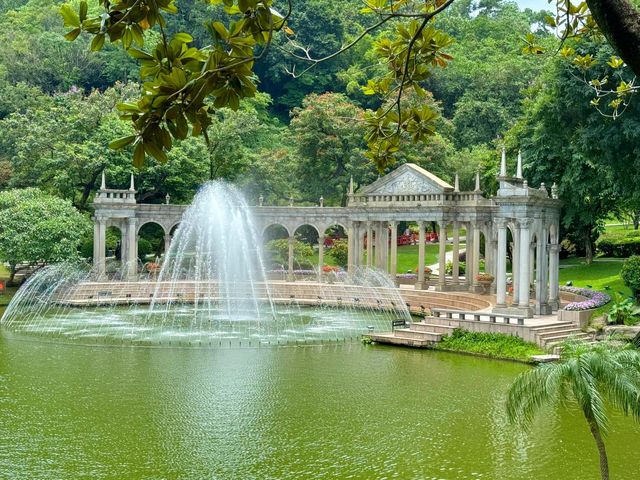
385 237
421 238
99 245
476 257
379 246
167 244
532 262
393 269
132 247
554 286
360 248
501 268
369 245
542 269
320 255
350 248
515 267
525 255
469 256
442 255
455 260
290 276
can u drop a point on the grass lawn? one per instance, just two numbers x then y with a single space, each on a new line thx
407 257
603 272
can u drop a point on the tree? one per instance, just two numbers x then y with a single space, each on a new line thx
37 228
592 159
586 376
328 131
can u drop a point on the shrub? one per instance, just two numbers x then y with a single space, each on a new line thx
567 248
630 274
144 248
449 268
278 251
619 245
340 252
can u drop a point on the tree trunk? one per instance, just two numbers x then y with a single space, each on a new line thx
619 22
636 220
588 249
604 462
12 275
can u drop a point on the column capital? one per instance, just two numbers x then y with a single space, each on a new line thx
443 223
131 220
393 223
525 222
554 248
500 222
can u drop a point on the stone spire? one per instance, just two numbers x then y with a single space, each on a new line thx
351 186
103 185
503 163
132 185
554 190
456 184
478 181
519 167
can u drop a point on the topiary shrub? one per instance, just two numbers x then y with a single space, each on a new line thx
630 274
621 246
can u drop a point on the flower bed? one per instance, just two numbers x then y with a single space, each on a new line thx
594 299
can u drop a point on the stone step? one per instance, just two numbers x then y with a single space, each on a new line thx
431 327
553 341
559 332
391 339
428 336
552 327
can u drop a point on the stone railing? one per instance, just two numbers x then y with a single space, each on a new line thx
422 199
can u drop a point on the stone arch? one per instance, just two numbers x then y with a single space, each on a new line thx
114 240
174 228
146 221
275 224
151 238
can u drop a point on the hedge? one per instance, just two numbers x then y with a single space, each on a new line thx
619 245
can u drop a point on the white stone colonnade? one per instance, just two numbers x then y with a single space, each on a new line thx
408 194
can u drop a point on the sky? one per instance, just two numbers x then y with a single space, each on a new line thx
535 4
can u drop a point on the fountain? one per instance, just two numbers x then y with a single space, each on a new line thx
211 291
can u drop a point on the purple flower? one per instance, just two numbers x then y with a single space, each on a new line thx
594 300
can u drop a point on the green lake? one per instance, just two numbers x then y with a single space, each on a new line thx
349 411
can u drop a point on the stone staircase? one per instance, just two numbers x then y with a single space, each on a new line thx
430 331
416 334
550 336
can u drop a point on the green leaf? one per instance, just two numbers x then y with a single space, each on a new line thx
155 151
69 16
83 11
183 37
122 142
73 34
138 155
97 43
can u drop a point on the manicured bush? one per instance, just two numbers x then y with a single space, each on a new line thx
620 245
630 274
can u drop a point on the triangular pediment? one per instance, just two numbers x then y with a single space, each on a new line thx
408 179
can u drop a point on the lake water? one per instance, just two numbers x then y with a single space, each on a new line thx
348 411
